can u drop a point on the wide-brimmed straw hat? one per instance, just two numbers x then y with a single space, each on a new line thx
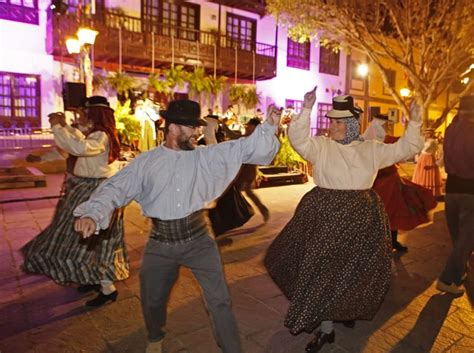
343 108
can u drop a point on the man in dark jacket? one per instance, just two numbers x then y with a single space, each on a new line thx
459 164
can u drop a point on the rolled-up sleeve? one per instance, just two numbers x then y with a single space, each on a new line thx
406 147
79 145
115 192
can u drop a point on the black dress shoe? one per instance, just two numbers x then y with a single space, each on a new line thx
399 247
85 288
102 299
318 342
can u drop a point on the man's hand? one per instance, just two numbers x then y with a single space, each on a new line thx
273 115
86 226
57 118
415 111
310 98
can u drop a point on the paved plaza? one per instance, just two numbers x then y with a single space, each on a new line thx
36 315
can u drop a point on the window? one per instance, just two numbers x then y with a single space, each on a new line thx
180 20
322 123
296 105
298 54
328 61
241 32
20 98
25 11
392 76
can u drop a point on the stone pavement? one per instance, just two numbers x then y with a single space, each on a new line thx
37 315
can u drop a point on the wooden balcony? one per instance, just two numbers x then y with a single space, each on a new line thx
170 44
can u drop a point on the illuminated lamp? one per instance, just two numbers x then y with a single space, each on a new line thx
405 92
73 46
362 70
86 35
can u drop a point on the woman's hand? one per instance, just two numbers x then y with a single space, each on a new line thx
415 111
86 226
57 118
310 98
273 115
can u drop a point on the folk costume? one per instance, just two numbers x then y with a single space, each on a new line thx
427 173
58 251
333 259
406 203
174 187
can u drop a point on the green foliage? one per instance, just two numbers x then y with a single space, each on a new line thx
251 98
287 155
217 84
237 93
127 124
160 84
198 81
245 95
121 82
176 76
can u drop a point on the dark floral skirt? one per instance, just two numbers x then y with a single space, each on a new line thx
333 259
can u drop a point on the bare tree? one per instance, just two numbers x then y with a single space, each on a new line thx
431 41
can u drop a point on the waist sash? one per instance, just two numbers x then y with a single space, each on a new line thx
182 230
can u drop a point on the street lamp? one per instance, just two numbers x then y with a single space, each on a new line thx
81 45
362 70
405 92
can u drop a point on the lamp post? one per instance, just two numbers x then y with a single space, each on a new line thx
81 45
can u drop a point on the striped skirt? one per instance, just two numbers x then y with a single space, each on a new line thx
62 254
333 259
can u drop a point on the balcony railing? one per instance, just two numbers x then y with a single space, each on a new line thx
171 44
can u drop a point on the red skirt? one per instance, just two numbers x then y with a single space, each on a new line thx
406 203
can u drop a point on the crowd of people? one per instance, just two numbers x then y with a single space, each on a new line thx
332 260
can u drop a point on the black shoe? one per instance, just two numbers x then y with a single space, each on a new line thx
85 288
399 247
102 299
349 323
318 342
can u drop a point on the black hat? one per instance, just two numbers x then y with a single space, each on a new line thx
95 101
184 112
343 108
467 104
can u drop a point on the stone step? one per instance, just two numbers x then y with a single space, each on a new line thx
21 177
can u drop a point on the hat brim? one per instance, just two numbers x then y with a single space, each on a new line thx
339 114
186 122
96 105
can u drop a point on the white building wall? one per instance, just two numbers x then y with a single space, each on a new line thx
23 50
293 83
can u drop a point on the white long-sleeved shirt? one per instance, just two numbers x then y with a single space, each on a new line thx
353 166
170 184
93 151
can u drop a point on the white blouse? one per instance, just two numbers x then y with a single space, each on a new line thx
92 151
353 166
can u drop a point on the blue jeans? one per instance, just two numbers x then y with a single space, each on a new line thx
159 271
460 219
